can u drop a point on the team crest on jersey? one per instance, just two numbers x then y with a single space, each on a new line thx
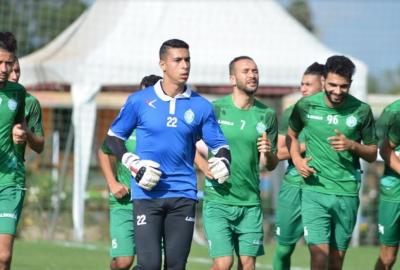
351 121
12 104
189 116
261 127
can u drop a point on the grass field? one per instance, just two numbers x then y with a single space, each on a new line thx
74 256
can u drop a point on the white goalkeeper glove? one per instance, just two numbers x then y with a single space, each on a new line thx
145 172
219 168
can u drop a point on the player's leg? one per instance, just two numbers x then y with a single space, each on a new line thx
217 219
289 227
344 217
11 201
122 239
389 234
178 232
315 210
148 224
249 240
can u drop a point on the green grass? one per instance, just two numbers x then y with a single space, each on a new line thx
73 256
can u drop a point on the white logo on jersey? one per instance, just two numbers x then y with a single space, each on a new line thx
114 243
141 220
12 104
315 117
381 229
189 116
278 231
189 219
305 231
257 242
1 100
8 215
261 127
224 122
351 121
151 103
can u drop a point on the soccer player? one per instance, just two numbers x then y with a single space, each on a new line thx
232 212
169 119
122 233
12 106
388 129
289 227
335 124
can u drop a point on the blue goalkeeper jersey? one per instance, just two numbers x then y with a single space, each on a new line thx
166 132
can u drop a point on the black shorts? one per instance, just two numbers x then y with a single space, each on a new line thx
170 220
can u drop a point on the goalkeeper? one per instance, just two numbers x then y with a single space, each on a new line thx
169 119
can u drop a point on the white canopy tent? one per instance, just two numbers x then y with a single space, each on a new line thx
117 42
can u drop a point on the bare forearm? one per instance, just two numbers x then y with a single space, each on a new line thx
106 167
366 152
36 143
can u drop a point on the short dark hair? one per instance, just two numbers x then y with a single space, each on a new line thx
149 80
172 43
236 59
8 42
315 69
341 65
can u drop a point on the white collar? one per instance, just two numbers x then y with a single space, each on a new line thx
160 93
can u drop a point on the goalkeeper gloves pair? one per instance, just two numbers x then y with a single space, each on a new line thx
146 172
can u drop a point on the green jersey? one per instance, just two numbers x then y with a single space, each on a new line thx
292 176
336 172
33 118
242 128
123 176
12 106
387 125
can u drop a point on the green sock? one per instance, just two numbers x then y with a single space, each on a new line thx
282 256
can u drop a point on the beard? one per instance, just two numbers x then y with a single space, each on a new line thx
338 100
246 89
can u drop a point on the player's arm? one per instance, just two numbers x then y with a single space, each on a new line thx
200 159
116 188
292 141
34 128
283 151
269 158
19 128
386 150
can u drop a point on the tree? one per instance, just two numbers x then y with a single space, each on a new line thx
301 11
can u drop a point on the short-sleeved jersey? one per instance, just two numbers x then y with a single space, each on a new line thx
388 125
292 176
337 172
166 130
33 117
242 128
12 106
123 176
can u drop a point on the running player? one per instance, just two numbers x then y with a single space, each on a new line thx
122 233
169 119
232 212
388 129
289 227
12 106
335 123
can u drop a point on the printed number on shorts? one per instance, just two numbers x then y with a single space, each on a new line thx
172 121
141 220
332 119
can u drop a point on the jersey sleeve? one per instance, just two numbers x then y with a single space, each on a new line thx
211 132
272 130
105 149
394 131
284 123
296 120
383 123
127 119
35 118
368 131
20 116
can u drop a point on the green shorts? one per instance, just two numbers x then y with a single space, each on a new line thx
11 201
389 223
328 219
122 233
289 227
230 227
